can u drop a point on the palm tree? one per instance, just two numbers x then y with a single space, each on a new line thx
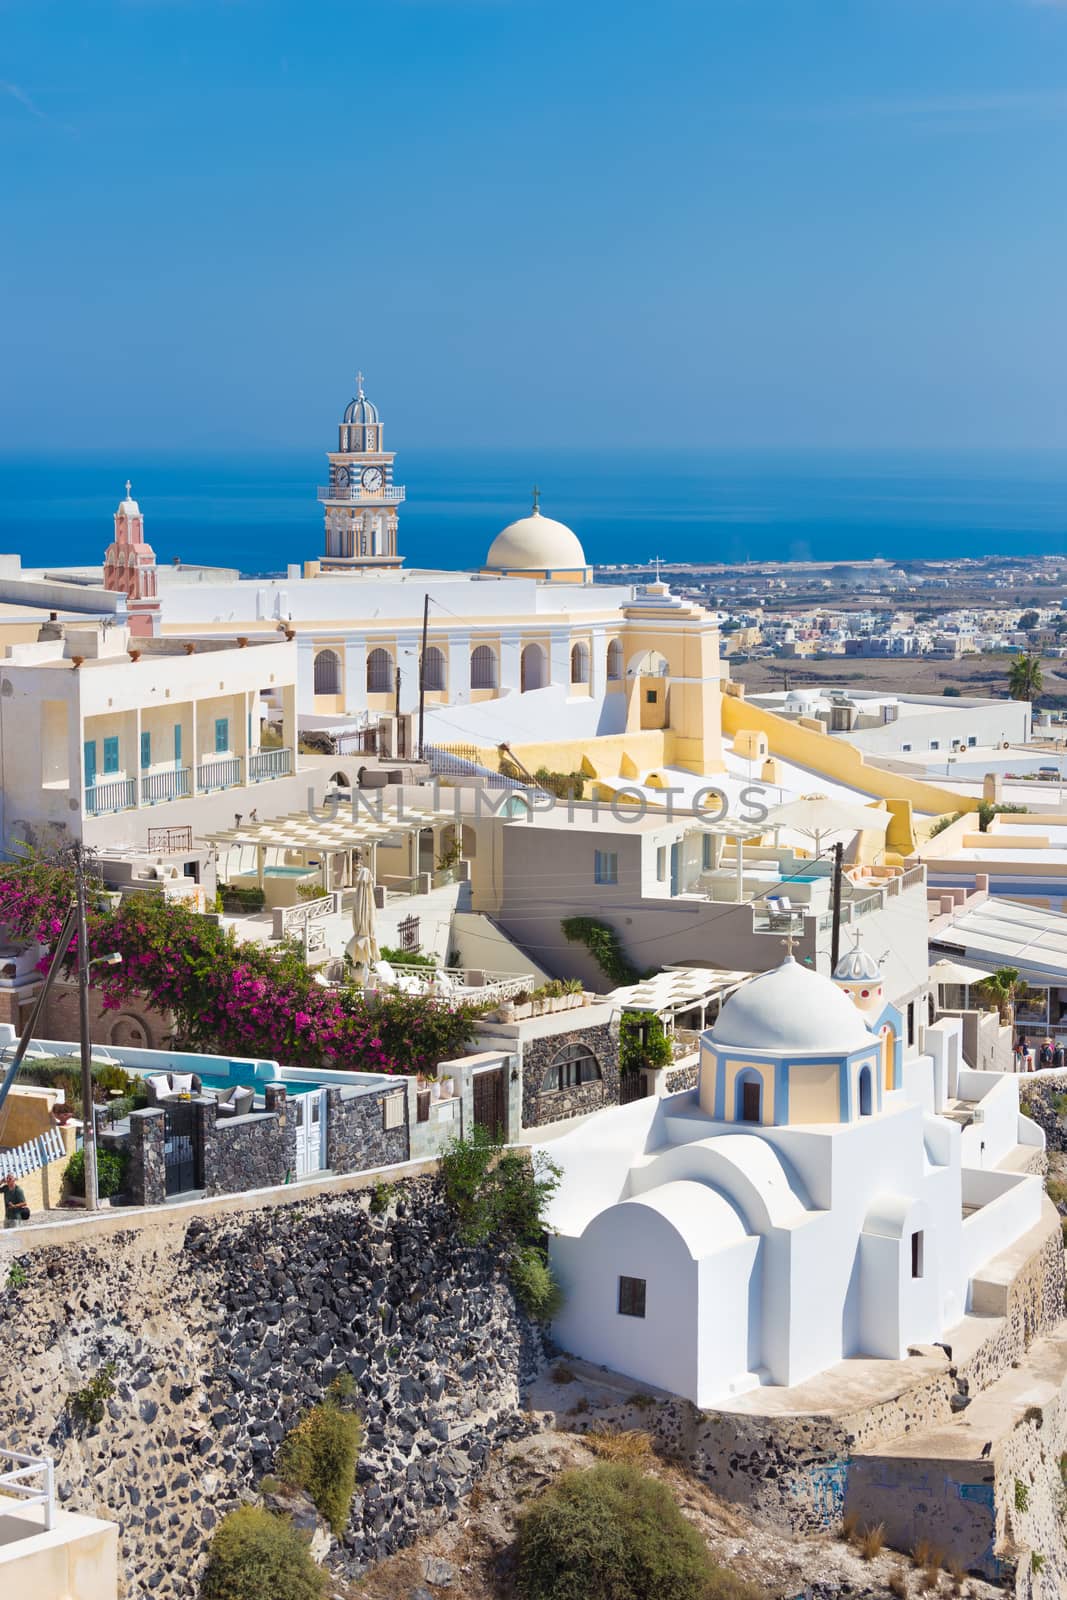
1002 988
1024 678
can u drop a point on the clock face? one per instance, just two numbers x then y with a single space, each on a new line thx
373 478
341 479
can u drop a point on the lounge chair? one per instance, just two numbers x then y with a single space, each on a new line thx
235 1102
165 1086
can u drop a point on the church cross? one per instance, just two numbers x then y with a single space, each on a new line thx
536 498
789 942
359 384
656 560
127 488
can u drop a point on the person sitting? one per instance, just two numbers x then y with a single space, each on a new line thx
15 1208
1047 1052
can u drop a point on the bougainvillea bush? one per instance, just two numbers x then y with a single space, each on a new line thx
232 998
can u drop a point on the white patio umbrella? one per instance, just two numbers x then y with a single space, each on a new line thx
816 815
363 946
951 972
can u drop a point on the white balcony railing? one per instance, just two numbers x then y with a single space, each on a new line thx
174 784
115 794
31 1479
345 494
225 773
269 764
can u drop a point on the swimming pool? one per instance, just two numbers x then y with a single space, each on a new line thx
241 1073
288 872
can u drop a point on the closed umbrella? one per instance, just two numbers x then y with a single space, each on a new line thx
363 946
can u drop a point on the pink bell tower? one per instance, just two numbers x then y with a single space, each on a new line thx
130 569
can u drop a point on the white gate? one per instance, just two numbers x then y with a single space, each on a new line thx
309 1119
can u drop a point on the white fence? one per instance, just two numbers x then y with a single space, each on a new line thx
26 1158
32 1479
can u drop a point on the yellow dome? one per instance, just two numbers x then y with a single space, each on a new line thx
535 544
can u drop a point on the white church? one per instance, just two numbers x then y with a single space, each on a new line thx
826 1192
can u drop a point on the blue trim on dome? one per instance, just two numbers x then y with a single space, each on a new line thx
361 412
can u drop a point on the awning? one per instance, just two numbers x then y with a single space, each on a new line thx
952 972
1006 933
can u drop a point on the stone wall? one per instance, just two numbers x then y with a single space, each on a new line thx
682 1078
1036 1097
223 1333
356 1135
540 1107
250 1152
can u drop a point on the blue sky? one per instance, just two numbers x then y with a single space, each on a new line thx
833 223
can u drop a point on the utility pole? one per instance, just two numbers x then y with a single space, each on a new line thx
92 1196
835 938
399 733
422 668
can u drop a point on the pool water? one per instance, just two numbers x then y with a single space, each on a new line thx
288 872
248 1080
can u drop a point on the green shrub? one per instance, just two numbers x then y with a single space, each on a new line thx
497 1193
609 1533
17 1276
258 1556
381 1197
1022 1495
407 958
535 1288
88 1403
643 1042
110 1172
320 1456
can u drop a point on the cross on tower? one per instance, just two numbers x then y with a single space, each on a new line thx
536 500
127 488
656 560
359 384
789 942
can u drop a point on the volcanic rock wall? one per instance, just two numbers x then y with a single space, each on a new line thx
223 1333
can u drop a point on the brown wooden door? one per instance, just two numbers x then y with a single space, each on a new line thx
489 1107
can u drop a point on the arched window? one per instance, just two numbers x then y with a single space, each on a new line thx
433 668
532 668
866 1099
573 1065
327 672
748 1102
580 663
379 672
483 667
615 660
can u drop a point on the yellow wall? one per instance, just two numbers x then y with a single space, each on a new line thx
814 1094
77 1560
766 1072
27 1113
838 759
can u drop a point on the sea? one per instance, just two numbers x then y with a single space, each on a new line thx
260 513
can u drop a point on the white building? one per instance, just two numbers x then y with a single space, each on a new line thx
904 724
822 1194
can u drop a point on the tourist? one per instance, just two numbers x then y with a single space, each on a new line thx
1047 1052
15 1208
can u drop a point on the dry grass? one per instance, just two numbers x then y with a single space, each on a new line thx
898 1583
921 1553
850 1525
630 1446
931 1575
562 1374
872 1541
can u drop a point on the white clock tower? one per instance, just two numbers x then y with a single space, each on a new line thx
361 497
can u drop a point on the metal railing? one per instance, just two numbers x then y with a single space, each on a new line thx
17 1479
457 981
269 764
357 742
345 493
117 794
34 1154
174 784
166 841
223 774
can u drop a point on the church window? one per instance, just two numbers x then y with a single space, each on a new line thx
751 1094
327 672
570 1067
917 1254
632 1296
865 1092
532 670
615 660
580 663
605 866
433 668
483 667
379 672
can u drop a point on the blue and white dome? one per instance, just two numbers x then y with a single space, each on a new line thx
360 411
